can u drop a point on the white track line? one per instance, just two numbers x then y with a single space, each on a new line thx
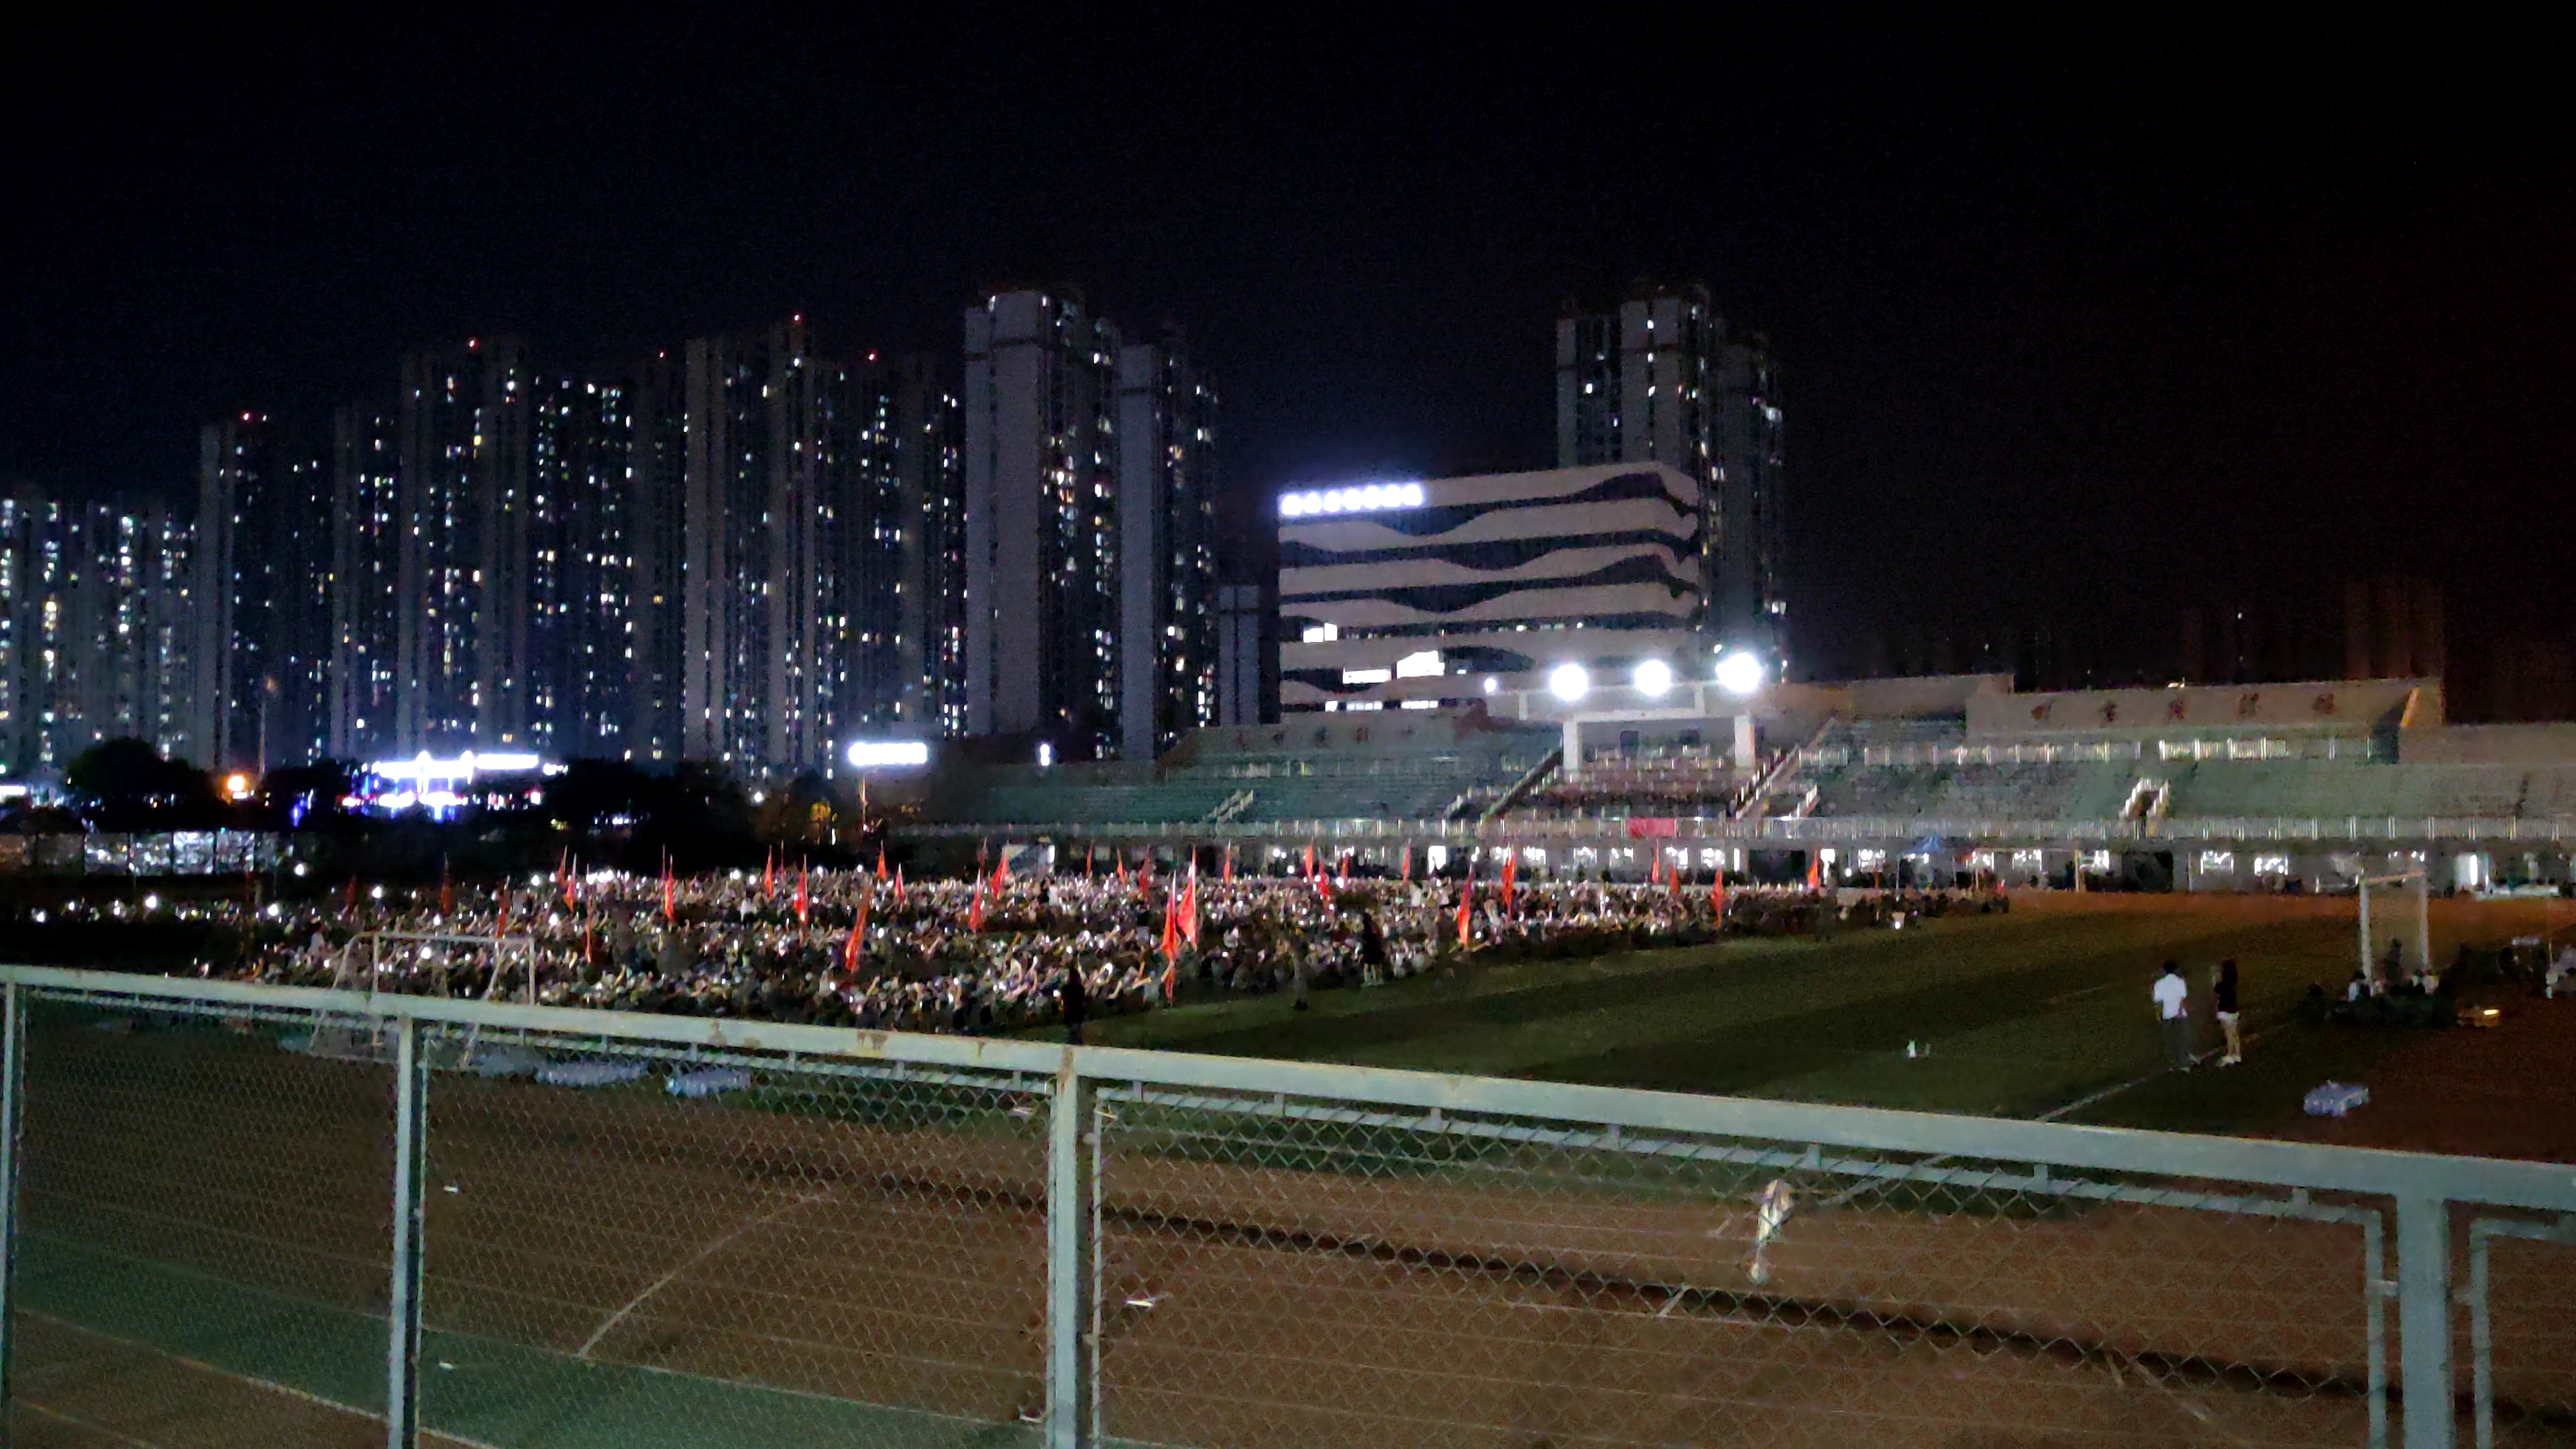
713 1246
289 1390
2116 1088
84 1425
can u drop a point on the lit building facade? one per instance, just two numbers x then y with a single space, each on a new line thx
1423 593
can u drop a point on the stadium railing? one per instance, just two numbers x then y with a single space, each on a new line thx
1785 832
234 1213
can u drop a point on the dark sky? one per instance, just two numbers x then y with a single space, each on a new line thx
2073 323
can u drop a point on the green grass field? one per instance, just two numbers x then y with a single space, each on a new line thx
2022 1015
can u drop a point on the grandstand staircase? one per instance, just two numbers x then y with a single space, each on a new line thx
1229 808
1782 768
1519 789
2148 800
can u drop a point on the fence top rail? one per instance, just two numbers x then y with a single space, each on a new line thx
2422 1176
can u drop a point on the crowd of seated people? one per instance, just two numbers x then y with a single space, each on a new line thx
992 953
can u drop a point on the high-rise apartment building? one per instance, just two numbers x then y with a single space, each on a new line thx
657 464
461 600
367 530
264 628
1090 591
581 570
1656 378
758 423
98 624
929 463
1167 607
1042 536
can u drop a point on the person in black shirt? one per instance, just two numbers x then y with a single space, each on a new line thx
2223 998
1076 1003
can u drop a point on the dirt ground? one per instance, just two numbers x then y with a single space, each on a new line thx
889 1250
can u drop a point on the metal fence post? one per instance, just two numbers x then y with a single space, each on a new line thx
13 1074
1070 1336
402 1315
2424 1319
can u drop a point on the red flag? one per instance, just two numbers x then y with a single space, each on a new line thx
446 891
1675 876
1229 862
501 923
1171 931
1717 896
1346 867
1145 872
670 896
1190 912
1089 849
858 937
881 875
769 875
1466 895
1310 860
1510 859
1001 869
1408 864
899 897
1655 868
800 895
571 885
975 908
1122 870
1815 870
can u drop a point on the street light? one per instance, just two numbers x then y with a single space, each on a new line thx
1569 682
1653 677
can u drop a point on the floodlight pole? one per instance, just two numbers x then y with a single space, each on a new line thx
2369 968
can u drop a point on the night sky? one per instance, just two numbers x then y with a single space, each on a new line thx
2073 324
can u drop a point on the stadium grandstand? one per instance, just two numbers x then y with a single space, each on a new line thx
2288 786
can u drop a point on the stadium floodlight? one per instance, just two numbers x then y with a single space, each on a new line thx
1046 755
887 754
1740 673
1361 498
1492 684
1569 681
1653 678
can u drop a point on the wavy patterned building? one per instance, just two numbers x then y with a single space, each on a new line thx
1417 594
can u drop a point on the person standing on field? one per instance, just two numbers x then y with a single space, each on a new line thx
2173 1009
2223 1000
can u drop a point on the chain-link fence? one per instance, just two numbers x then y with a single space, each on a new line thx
243 1215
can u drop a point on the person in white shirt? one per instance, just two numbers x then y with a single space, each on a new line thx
2173 1010
2561 966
